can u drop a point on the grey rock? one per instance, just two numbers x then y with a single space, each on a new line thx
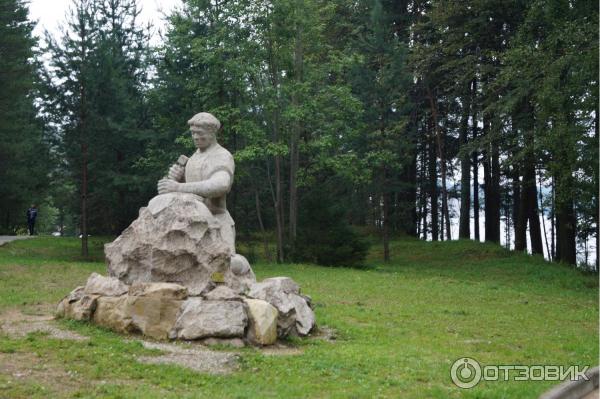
106 286
305 317
175 239
76 294
233 342
200 318
284 284
222 293
240 265
80 309
295 314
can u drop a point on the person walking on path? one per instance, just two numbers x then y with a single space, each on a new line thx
31 215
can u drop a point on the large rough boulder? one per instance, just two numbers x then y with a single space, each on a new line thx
175 239
295 313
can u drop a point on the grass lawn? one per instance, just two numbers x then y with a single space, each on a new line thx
399 327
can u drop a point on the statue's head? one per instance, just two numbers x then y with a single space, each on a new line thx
204 128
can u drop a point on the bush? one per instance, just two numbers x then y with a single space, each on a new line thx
324 235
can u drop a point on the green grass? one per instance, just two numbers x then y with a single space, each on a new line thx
400 326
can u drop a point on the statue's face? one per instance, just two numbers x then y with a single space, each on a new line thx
202 138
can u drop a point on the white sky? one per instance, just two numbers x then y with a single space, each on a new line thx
51 14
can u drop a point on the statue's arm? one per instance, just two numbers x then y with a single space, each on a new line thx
215 186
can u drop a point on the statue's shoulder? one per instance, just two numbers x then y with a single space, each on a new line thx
221 159
221 152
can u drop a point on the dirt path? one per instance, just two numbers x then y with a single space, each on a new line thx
7 239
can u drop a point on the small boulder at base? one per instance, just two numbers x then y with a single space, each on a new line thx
106 286
263 322
295 314
153 316
200 318
80 309
305 317
113 313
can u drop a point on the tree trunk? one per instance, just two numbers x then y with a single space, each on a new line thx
496 199
597 191
423 188
433 195
386 224
279 211
409 199
442 155
529 184
262 227
553 225
543 218
521 218
491 171
278 195
475 163
295 134
565 237
84 195
464 229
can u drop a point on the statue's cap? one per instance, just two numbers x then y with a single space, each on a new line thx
205 121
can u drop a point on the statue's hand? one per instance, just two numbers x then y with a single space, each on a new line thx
176 172
167 186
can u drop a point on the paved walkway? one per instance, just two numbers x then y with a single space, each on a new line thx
7 239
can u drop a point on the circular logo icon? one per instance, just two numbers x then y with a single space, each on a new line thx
465 372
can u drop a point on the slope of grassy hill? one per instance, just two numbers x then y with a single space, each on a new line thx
398 328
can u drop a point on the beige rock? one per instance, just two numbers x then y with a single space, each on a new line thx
153 316
263 322
106 286
113 313
202 319
159 290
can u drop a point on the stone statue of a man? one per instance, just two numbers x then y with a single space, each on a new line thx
208 173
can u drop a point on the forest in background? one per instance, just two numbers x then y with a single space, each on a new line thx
346 119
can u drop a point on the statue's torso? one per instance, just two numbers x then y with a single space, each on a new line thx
202 165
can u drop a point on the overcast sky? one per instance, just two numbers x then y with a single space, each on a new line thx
50 14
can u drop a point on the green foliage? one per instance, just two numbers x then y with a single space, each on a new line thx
94 96
24 156
324 235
